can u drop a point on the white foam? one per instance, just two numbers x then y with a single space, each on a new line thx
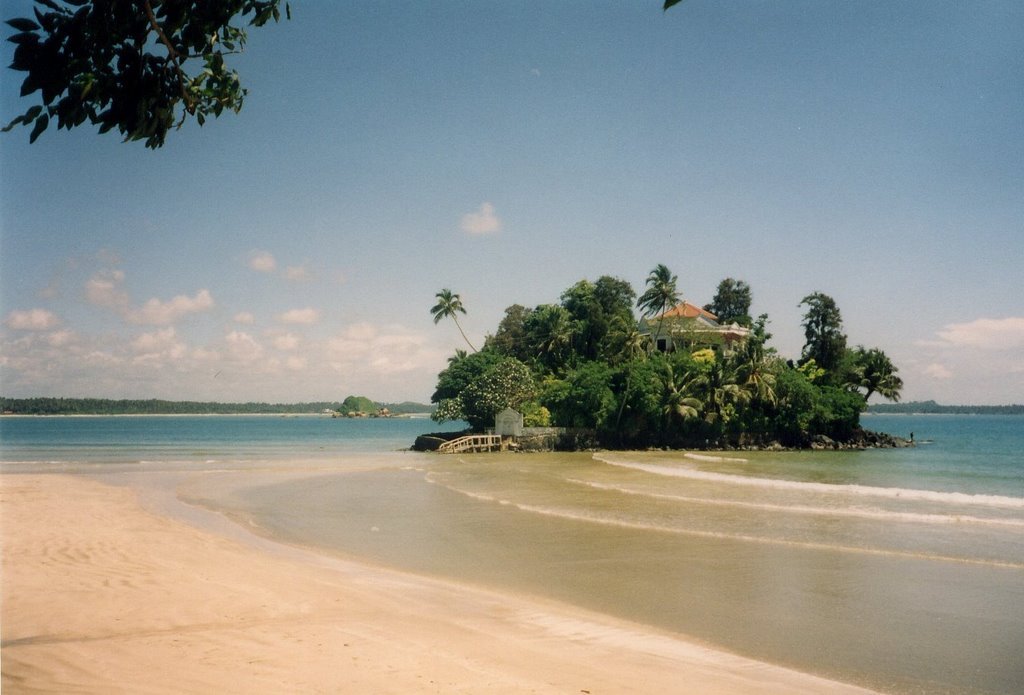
706 457
607 521
827 488
856 512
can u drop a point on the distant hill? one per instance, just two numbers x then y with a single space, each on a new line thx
933 408
103 406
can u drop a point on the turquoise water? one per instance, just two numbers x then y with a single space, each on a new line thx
199 440
900 569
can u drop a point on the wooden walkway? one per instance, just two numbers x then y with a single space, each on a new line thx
471 442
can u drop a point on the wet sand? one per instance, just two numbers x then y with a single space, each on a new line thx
101 595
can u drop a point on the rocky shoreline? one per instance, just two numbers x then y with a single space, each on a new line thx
562 439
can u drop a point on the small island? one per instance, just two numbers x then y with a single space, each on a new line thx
679 376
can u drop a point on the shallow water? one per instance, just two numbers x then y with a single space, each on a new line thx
902 570
905 595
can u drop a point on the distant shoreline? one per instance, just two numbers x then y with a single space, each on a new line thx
933 408
56 405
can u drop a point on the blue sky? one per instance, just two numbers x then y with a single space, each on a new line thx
872 151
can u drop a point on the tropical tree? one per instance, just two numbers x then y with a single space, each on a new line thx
875 373
677 401
508 384
823 330
660 296
731 302
718 388
142 67
510 339
549 333
450 306
459 355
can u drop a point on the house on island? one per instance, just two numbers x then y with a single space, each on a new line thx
687 326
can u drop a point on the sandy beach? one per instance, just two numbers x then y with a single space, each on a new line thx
101 595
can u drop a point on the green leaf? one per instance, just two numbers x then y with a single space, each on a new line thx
670 3
23 24
40 126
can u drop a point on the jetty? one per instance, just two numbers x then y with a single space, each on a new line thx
472 442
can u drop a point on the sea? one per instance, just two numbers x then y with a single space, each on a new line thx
901 570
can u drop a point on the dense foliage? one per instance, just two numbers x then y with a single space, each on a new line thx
584 363
141 66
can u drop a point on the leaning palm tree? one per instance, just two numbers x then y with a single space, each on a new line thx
660 296
876 373
449 306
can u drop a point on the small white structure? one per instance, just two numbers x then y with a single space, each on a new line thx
508 423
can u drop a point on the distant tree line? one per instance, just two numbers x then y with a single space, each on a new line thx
933 408
587 362
102 406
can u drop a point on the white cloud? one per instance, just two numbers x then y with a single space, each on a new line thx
60 338
383 351
288 341
242 346
262 261
104 289
302 316
483 221
986 334
295 363
158 347
938 371
244 317
32 320
158 313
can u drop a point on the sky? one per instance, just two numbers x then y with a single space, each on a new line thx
869 150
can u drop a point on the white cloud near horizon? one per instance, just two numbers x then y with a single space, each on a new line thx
243 347
483 221
159 347
382 361
244 317
104 289
32 320
262 261
938 371
986 334
306 316
983 355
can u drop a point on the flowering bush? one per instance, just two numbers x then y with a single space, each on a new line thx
508 384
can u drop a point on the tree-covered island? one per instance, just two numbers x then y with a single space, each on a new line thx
680 375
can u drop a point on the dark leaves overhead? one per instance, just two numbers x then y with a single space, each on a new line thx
141 66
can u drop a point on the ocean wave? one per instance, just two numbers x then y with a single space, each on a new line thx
961 498
748 538
862 513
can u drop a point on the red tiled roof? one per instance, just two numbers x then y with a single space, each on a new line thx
687 311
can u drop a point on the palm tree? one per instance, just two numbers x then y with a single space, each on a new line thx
876 373
448 306
753 371
660 296
677 400
634 346
717 387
